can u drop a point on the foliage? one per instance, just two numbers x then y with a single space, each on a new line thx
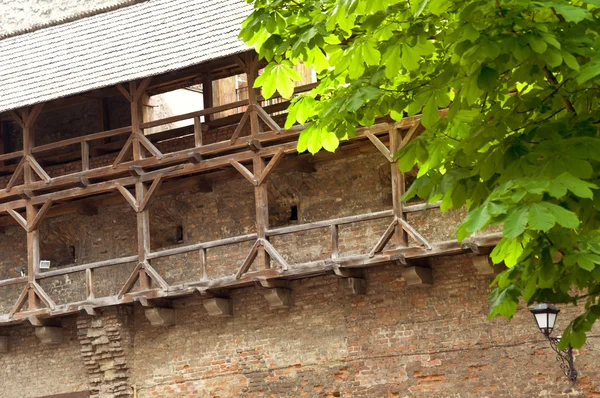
518 145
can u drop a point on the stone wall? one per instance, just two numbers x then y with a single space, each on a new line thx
396 341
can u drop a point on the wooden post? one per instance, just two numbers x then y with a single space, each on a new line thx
33 235
398 189
207 95
143 217
33 255
261 190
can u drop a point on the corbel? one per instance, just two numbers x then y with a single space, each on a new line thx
276 292
351 280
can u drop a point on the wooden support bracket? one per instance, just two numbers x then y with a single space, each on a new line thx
160 316
417 276
40 216
129 198
244 171
484 266
379 145
126 147
35 166
351 280
49 334
267 119
153 150
269 167
18 218
240 126
276 292
16 174
88 309
156 183
218 306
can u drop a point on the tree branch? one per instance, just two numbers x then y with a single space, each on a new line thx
552 80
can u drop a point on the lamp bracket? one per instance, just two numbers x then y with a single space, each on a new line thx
564 358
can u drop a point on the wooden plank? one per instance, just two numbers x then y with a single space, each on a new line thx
261 203
200 246
78 140
143 233
328 223
267 170
10 156
84 267
190 115
244 171
379 145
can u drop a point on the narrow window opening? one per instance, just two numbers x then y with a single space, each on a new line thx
294 213
72 254
179 234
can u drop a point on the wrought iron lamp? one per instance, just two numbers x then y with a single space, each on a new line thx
545 316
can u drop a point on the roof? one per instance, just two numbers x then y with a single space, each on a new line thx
129 43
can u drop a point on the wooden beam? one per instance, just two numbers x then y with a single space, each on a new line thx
35 166
379 145
267 170
240 127
244 171
129 198
267 118
18 218
39 216
398 190
153 189
125 92
16 174
248 260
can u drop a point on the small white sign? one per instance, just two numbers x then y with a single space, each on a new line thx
44 264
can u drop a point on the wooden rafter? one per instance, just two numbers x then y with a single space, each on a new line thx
275 255
385 238
130 282
155 276
414 234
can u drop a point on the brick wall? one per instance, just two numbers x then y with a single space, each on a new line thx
396 341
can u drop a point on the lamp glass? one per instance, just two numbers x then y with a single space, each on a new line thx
545 317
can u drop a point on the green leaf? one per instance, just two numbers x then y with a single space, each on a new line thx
564 217
330 142
515 223
410 58
430 113
540 218
537 44
571 13
488 77
570 60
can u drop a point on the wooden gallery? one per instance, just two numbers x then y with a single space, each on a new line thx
160 236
